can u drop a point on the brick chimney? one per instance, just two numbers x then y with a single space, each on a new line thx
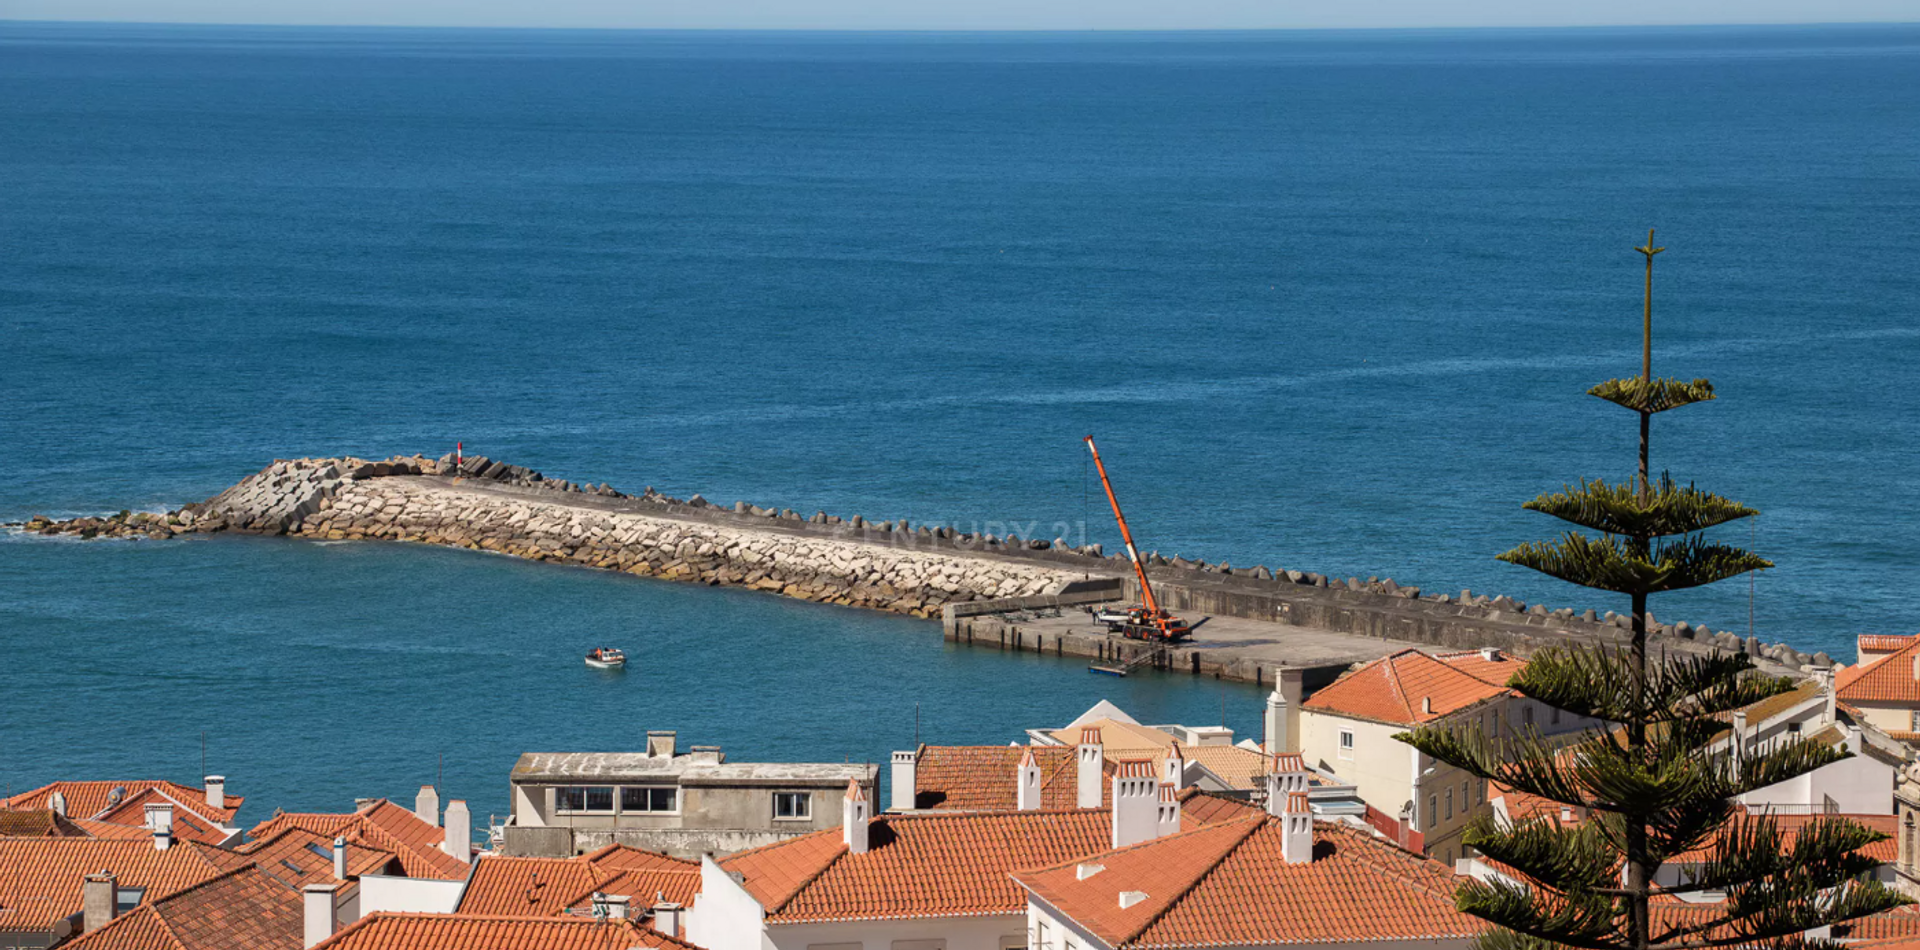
855 814
426 805
1090 759
216 791
160 822
1296 842
1136 803
99 901
906 767
1027 783
459 839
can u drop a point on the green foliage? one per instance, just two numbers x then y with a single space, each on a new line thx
1608 563
1656 780
1620 509
1653 395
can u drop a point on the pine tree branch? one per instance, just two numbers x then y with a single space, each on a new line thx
1599 683
1620 509
1607 564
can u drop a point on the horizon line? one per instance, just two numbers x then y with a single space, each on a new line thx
1516 27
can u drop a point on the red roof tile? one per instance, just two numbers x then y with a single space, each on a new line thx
934 865
1888 679
187 824
391 931
243 909
1397 689
40 823
41 878
301 857
1199 808
1199 889
538 887
382 826
93 799
984 777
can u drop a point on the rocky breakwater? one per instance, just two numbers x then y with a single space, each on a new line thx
489 506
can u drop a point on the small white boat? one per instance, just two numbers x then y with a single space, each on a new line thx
607 658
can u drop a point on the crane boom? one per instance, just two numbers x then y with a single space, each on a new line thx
1139 570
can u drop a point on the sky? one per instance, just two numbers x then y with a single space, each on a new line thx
969 14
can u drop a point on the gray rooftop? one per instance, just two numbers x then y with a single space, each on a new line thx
685 769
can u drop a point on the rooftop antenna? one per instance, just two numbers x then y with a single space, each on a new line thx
1752 576
916 725
440 771
203 755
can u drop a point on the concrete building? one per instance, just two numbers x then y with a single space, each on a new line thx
1348 728
684 804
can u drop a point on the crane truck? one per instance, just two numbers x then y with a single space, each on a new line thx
1148 621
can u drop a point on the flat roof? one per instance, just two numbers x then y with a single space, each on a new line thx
683 769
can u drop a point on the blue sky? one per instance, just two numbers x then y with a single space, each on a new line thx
969 14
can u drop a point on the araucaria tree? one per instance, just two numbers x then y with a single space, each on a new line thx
1659 779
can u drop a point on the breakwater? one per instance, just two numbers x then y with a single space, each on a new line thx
922 571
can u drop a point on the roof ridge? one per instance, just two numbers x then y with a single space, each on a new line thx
1253 825
1393 679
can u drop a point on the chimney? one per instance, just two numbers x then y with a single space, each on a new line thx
660 743
1296 841
1167 817
1737 741
1289 775
906 765
1176 767
99 901
339 858
459 839
1136 801
1027 777
668 917
1091 760
854 815
612 907
160 822
216 791
426 805
57 803
707 755
1426 705
1824 676
1490 654
321 918
1278 712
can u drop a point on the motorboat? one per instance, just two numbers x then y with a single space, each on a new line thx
606 658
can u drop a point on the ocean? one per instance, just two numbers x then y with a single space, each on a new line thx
1329 300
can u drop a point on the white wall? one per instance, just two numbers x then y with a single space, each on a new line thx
409 894
725 916
1384 770
1861 785
959 933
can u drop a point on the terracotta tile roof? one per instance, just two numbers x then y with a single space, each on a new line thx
111 832
983 777
382 826
1119 738
385 930
1880 643
539 887
1395 689
187 824
243 909
935 865
1199 808
1239 768
1197 888
301 857
1772 706
1886 851
39 823
41 878
92 799
1888 679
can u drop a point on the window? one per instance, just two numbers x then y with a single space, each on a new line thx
1793 728
1553 715
792 806
1916 720
1346 743
1449 804
1526 716
583 798
645 799
1494 733
1043 937
1433 810
1466 795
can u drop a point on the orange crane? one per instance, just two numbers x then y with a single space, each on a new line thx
1142 623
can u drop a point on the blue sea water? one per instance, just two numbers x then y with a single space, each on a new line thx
1329 300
